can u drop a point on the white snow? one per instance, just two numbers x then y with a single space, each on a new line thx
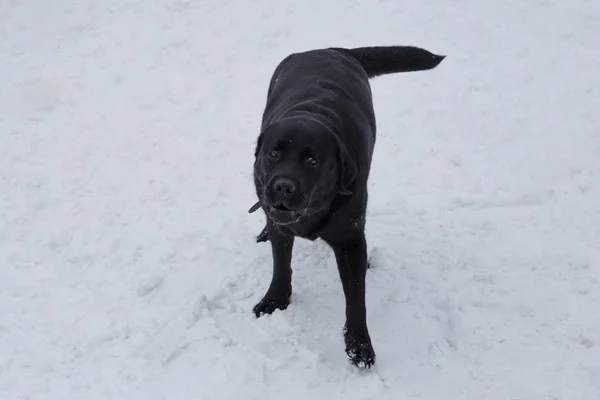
128 268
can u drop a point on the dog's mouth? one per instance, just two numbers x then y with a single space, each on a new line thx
280 213
285 218
281 207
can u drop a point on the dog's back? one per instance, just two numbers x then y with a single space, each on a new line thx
324 81
337 78
332 85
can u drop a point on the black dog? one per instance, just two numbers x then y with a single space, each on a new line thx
313 158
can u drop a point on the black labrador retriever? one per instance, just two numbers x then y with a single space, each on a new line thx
312 162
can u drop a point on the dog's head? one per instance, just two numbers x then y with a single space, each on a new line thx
300 167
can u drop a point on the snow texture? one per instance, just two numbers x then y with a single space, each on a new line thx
128 262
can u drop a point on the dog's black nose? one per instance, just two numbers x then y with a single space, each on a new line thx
284 186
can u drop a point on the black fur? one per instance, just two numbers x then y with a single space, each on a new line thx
313 158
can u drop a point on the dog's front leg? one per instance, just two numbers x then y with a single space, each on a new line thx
352 265
279 292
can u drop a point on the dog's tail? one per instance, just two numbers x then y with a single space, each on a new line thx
381 60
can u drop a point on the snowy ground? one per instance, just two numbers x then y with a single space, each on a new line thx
128 267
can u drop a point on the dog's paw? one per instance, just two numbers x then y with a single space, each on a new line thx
267 306
359 348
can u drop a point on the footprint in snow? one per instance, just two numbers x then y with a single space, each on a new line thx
150 285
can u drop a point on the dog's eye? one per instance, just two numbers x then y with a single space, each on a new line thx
312 162
273 154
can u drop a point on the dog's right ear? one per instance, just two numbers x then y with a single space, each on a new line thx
258 144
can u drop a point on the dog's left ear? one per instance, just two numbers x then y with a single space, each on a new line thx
347 171
258 144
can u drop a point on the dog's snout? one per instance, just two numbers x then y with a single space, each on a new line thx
284 186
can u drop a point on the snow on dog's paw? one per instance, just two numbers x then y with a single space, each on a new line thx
361 355
359 349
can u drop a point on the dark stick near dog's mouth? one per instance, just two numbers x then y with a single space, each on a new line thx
255 207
